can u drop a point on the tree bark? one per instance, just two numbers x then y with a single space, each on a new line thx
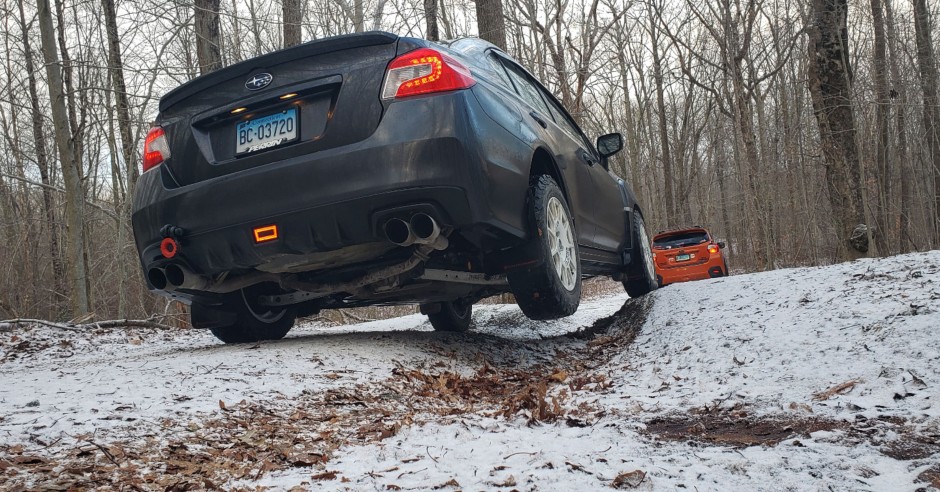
292 21
116 68
905 242
430 19
206 19
882 164
359 16
74 199
42 158
490 22
927 62
830 87
663 134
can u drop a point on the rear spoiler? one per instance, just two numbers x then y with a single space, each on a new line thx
245 68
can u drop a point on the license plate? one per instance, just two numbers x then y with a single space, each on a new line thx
683 257
266 132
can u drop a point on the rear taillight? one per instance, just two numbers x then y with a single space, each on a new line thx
156 148
424 71
712 248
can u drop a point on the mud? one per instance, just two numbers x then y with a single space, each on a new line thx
737 429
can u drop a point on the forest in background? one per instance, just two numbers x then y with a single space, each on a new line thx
781 125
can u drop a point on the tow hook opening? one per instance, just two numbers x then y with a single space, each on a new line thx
169 247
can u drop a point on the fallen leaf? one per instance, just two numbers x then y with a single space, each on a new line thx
450 483
628 479
559 376
327 475
839 389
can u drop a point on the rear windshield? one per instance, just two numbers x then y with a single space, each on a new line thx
681 240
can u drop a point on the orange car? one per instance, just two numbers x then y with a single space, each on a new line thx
687 254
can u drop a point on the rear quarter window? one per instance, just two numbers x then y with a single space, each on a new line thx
681 240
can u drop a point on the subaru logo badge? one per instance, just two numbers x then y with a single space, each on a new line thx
259 81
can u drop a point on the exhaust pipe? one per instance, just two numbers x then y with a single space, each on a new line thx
425 228
180 277
426 231
399 232
157 278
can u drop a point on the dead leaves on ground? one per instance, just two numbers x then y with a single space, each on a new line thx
628 479
506 393
248 440
839 389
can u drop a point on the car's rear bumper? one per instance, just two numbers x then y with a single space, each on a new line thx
429 154
713 268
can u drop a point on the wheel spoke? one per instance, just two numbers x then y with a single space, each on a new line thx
561 243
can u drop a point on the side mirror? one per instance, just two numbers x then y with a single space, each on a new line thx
721 244
610 144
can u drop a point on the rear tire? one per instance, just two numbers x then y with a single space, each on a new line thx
240 319
451 316
551 288
641 273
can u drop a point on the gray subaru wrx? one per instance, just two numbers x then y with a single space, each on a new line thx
375 169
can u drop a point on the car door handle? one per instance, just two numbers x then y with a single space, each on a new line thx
538 119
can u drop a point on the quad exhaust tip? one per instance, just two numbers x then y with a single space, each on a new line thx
157 278
180 277
421 229
425 228
399 232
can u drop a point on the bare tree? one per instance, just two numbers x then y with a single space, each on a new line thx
668 174
69 160
42 158
882 169
901 154
292 16
830 86
927 61
208 51
430 18
490 23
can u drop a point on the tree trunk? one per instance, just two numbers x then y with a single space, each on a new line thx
430 18
490 22
128 146
74 199
882 169
829 81
905 242
208 53
663 134
42 159
927 61
292 21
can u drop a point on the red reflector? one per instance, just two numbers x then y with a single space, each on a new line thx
424 71
266 233
169 247
156 148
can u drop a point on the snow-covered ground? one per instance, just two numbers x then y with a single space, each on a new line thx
799 379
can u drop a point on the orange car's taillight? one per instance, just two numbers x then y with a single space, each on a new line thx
712 248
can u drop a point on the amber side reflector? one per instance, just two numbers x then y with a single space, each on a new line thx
265 233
